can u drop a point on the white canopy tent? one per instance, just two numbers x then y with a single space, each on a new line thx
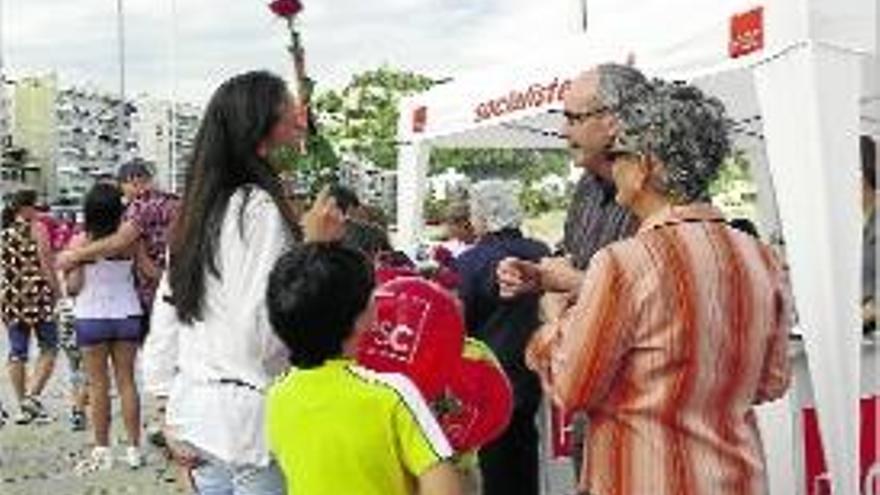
801 100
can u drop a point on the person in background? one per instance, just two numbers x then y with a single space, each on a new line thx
868 148
360 233
63 227
346 199
147 220
593 220
146 223
108 327
460 234
333 426
28 289
6 217
366 238
509 465
211 350
76 375
677 332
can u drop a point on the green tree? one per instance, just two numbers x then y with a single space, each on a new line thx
361 119
734 169
528 166
312 170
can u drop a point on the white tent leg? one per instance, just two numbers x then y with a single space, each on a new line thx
809 99
777 433
412 180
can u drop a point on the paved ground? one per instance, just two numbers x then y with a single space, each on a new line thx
39 459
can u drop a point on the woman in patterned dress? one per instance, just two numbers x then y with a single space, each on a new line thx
27 301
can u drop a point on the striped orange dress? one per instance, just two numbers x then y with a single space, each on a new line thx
677 333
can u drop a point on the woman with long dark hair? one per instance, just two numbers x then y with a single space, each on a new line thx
211 350
108 324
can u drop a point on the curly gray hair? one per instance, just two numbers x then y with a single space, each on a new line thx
683 128
495 203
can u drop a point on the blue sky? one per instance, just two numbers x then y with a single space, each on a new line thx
218 38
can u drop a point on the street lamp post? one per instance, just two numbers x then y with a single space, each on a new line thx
172 132
584 15
123 132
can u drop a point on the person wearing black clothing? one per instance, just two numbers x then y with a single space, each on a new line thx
509 465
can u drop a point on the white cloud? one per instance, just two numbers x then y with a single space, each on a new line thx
219 38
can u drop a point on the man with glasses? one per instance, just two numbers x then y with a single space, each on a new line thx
593 219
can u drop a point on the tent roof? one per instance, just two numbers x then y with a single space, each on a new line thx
698 53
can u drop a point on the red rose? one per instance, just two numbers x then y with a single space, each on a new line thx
285 8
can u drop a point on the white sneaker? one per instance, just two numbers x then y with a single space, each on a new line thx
100 459
22 417
133 457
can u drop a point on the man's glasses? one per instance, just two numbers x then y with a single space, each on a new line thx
573 118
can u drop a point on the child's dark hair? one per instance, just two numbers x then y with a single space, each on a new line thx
316 293
103 210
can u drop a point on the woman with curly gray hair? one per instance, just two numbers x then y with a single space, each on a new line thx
678 331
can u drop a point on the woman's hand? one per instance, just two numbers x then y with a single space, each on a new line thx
324 222
182 453
538 353
553 306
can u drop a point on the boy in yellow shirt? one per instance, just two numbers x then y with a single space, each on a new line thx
333 426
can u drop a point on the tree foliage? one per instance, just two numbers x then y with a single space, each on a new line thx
526 165
361 119
309 171
734 170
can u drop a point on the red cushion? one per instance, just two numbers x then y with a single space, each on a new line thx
477 405
419 331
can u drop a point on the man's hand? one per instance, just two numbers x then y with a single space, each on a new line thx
440 479
517 277
324 222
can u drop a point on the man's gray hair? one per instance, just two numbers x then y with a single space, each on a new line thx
620 85
683 128
496 203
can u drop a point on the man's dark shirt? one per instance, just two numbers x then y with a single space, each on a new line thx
594 220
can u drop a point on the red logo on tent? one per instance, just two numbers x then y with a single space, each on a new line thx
419 119
747 32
